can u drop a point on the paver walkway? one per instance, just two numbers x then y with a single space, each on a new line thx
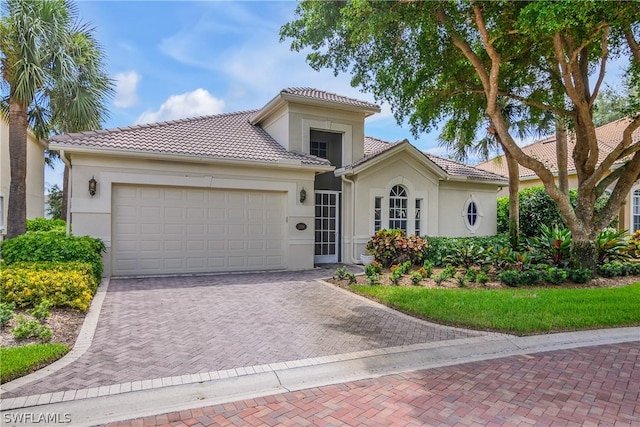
163 327
590 386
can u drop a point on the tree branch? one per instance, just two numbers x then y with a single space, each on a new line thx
603 65
633 43
622 150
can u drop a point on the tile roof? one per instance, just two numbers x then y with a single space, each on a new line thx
545 150
228 136
311 93
374 146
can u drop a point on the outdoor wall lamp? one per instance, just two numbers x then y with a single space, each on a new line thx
93 184
303 195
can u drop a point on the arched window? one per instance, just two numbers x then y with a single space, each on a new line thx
398 208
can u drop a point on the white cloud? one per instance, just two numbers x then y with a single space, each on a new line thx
191 104
126 89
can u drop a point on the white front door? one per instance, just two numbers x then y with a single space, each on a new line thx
326 231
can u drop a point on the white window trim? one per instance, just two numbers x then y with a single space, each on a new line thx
472 228
631 214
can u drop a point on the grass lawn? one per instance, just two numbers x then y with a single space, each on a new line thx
523 311
18 361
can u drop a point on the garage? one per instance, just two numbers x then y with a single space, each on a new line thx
180 230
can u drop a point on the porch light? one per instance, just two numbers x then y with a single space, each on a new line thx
303 195
93 184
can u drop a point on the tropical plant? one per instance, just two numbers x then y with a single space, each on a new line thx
53 71
394 247
467 254
611 245
552 245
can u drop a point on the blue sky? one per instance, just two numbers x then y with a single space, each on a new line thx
172 60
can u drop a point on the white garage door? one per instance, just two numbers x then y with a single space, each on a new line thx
169 230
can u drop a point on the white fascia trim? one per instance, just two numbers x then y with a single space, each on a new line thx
403 146
331 104
284 164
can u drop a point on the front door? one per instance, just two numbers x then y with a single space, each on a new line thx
326 237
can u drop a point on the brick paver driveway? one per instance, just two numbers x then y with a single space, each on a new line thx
161 327
592 386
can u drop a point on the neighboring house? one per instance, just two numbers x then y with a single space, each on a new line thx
35 176
609 136
283 187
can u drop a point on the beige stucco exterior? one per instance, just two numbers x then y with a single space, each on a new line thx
35 175
92 215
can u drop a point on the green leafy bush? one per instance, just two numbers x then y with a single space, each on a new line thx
551 245
416 277
611 269
41 311
394 247
530 277
461 280
471 275
555 275
373 268
510 278
428 268
482 277
581 275
440 250
633 245
466 254
6 313
373 279
538 208
611 245
31 328
69 284
51 246
45 224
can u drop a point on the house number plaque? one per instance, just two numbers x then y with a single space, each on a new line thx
301 226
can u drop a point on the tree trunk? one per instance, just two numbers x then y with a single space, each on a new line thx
17 206
65 193
514 205
583 252
562 155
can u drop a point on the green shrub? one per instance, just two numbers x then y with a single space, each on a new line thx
555 275
31 328
50 246
6 313
611 245
416 277
530 277
41 311
551 245
373 279
461 280
610 269
69 284
442 249
45 224
440 278
394 247
510 278
633 245
373 268
466 254
428 268
471 275
448 272
482 277
582 275
341 273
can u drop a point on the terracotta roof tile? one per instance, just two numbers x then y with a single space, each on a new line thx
374 146
227 136
545 150
311 93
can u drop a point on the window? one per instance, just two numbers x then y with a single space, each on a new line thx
398 208
319 149
472 213
377 214
418 213
635 220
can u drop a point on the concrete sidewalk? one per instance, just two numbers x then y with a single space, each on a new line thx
239 384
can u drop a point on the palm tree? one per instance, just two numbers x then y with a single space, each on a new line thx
53 74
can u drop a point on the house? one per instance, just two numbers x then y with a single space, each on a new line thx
609 136
35 176
283 187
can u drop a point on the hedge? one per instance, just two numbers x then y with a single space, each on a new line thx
439 249
64 284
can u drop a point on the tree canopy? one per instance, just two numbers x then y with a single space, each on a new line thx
53 80
550 58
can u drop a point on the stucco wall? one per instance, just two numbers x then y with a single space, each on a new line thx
92 215
377 181
35 175
453 199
